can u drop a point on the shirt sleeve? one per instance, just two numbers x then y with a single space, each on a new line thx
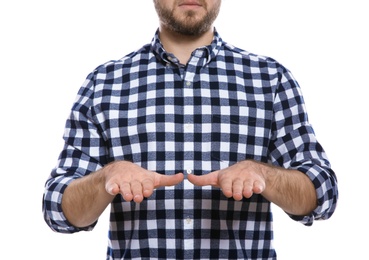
84 152
295 146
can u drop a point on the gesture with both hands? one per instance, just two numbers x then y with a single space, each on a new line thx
292 190
86 198
239 180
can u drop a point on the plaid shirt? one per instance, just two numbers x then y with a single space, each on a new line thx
224 106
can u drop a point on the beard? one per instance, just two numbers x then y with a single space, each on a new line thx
189 23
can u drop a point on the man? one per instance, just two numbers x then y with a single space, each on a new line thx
190 140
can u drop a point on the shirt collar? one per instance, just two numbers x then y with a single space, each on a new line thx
166 57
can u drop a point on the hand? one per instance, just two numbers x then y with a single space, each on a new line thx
242 179
134 182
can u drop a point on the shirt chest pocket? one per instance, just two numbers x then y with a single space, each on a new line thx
238 136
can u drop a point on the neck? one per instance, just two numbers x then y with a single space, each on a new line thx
183 45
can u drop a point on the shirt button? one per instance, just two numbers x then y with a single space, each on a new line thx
188 126
188 221
188 83
189 171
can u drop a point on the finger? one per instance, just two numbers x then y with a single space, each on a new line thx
204 180
147 188
237 189
259 187
125 190
226 184
112 188
248 187
136 188
167 180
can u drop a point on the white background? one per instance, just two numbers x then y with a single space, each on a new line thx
47 48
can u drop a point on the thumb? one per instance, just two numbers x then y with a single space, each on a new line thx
168 180
204 180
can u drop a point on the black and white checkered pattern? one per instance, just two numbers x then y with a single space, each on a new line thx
224 106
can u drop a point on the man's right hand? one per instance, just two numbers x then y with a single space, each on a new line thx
134 182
